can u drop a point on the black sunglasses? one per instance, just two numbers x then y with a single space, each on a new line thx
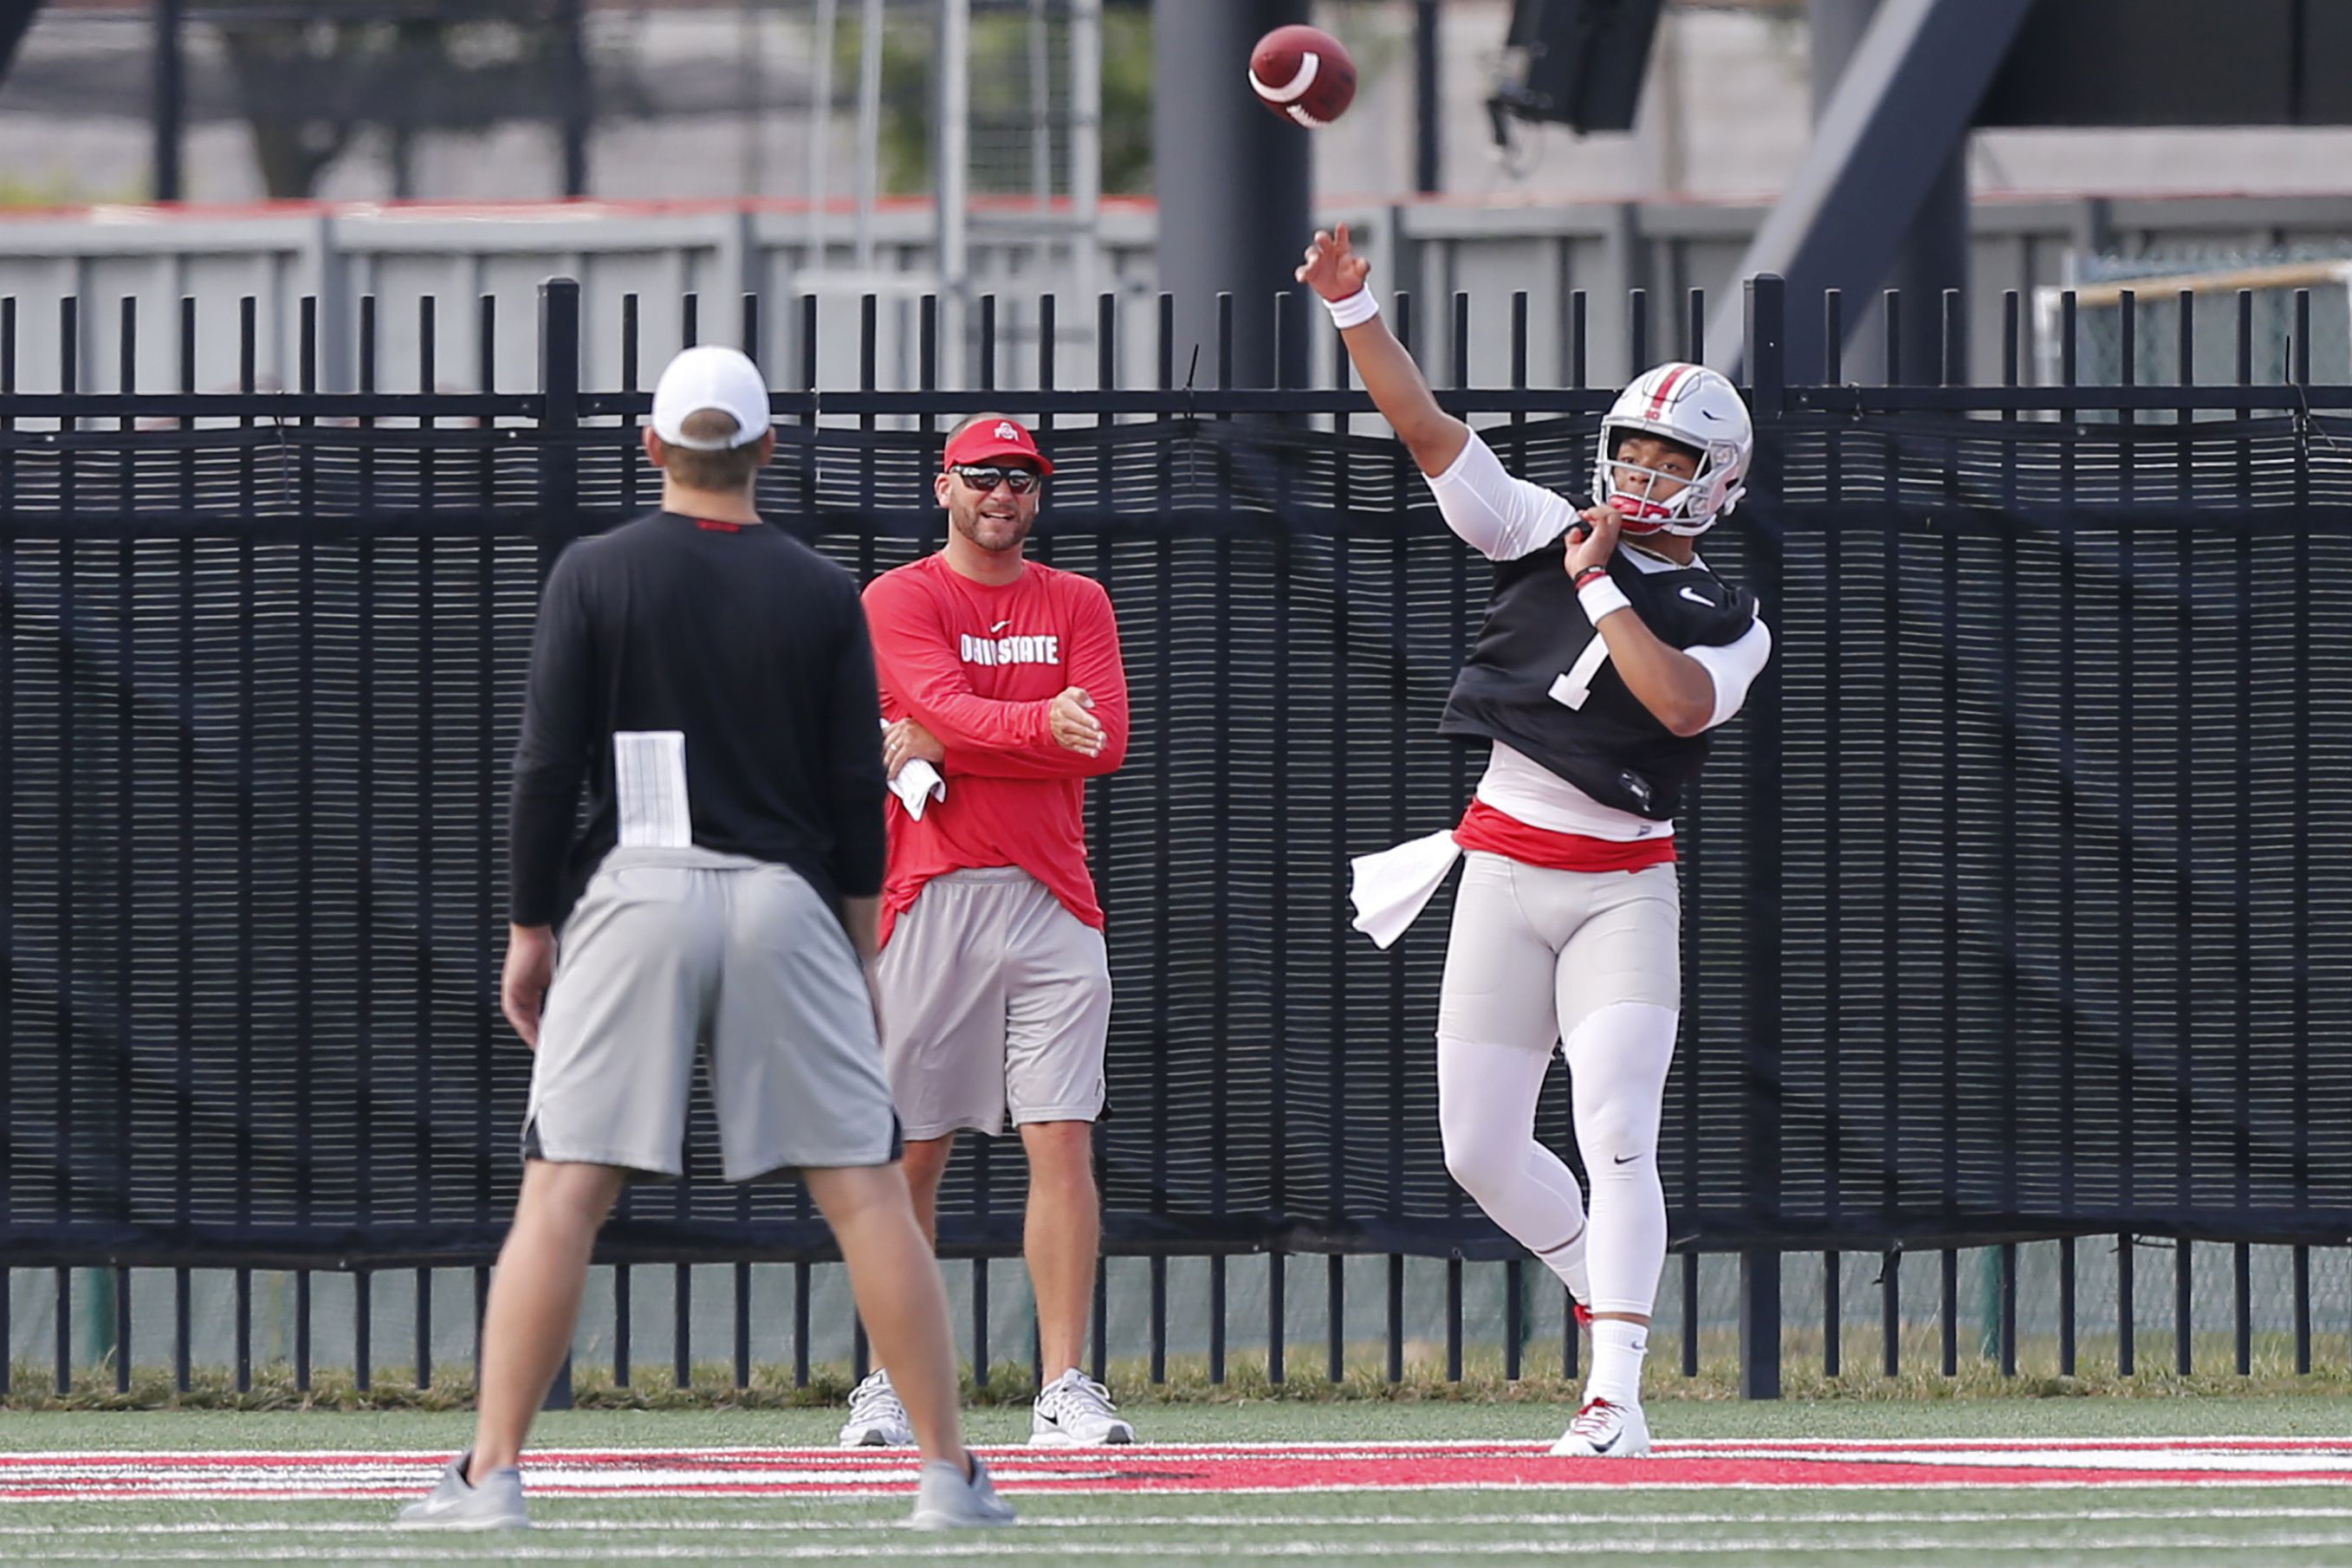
982 480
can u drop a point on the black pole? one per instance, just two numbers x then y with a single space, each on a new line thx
15 21
1428 100
1934 256
171 99
1762 1067
574 92
1234 183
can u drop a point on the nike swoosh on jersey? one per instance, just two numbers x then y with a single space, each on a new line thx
998 629
1695 597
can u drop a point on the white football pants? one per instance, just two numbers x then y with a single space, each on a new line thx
1593 958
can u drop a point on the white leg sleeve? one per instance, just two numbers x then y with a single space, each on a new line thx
1486 1112
1617 1061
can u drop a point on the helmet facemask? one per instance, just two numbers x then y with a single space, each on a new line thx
1627 487
1689 511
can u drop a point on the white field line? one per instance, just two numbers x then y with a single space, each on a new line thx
2202 1460
629 1481
2028 1482
912 1548
1225 1521
1704 1446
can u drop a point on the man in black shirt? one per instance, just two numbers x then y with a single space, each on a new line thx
709 680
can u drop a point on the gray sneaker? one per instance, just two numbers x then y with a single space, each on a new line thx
945 1500
1073 1410
876 1418
452 1504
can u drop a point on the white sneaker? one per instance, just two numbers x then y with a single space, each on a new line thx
877 1419
947 1499
1076 1412
453 1504
1605 1431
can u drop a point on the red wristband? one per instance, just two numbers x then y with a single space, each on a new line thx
1589 573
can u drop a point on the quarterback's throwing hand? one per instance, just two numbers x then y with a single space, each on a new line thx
1332 268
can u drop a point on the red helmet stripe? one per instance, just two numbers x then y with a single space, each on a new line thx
1665 388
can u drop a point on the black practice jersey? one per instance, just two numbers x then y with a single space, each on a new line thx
1538 679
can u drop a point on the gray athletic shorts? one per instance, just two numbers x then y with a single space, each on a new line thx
995 998
1534 952
675 950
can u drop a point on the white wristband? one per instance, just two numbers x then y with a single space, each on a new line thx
1600 597
1354 310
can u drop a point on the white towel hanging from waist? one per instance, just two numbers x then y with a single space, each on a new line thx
1391 888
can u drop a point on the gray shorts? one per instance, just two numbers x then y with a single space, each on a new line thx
1535 953
675 950
995 998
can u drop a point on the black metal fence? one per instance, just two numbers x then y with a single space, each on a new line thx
2014 902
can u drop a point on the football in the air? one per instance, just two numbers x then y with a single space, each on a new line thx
1303 74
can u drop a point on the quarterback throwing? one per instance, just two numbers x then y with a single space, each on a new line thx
1608 654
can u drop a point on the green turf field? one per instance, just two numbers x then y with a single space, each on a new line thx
2106 1525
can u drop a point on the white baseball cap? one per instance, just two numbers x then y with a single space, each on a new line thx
710 377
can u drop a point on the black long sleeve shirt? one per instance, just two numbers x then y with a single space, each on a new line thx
748 644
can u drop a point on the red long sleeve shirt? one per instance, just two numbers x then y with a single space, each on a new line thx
979 665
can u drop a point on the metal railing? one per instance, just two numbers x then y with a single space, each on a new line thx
1995 935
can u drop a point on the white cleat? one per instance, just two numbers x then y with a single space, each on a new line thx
1076 1412
453 1504
877 1419
1605 1431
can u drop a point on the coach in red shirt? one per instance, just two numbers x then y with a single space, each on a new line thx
1005 676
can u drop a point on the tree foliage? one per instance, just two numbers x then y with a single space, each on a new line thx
1001 98
309 88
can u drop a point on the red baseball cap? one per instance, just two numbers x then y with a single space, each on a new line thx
993 441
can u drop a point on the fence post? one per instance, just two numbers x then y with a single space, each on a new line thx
1759 1265
559 495
559 419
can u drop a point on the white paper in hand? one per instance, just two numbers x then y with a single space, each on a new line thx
1391 889
918 784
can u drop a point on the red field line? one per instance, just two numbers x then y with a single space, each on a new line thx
1942 1463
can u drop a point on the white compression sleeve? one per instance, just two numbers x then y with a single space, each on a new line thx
1486 1113
1734 666
1617 1062
1500 517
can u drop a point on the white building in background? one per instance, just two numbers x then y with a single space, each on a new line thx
700 168
1725 117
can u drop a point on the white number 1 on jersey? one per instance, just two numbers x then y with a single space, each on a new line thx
1571 689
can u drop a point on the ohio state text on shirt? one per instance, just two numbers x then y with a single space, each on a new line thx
979 665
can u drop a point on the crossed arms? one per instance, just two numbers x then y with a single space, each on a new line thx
1080 732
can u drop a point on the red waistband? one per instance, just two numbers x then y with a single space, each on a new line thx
1498 833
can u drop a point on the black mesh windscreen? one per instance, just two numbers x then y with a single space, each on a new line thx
2049 936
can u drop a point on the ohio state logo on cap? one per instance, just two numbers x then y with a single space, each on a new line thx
995 441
